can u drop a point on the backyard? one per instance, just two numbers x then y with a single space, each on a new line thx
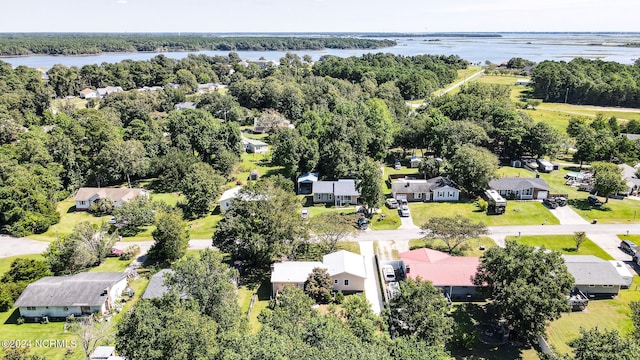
604 314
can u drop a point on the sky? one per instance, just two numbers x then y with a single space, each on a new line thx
318 15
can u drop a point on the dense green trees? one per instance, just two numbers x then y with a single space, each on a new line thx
529 286
607 179
20 274
319 285
88 245
171 238
472 168
583 81
594 344
82 44
263 225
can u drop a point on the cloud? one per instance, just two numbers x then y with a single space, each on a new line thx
123 2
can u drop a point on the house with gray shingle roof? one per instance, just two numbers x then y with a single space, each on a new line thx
157 287
86 196
594 276
630 178
521 188
435 189
58 297
340 193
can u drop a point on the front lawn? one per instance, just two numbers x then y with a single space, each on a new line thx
68 220
518 213
604 314
391 220
472 246
563 244
262 302
112 264
352 246
624 211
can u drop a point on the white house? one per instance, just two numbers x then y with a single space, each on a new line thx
88 93
435 189
521 188
227 198
594 276
305 183
102 92
415 161
340 193
185 106
58 297
345 268
88 195
254 146
347 271
523 82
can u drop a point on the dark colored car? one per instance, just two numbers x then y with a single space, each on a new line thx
561 201
629 247
593 201
550 202
363 224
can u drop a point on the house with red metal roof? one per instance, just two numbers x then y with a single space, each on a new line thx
453 274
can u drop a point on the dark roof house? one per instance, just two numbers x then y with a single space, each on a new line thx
434 189
521 188
593 275
156 287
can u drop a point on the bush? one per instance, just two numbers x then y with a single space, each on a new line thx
482 204
339 297
102 207
327 298
20 320
130 252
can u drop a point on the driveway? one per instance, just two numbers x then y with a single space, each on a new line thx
568 216
371 287
407 223
609 243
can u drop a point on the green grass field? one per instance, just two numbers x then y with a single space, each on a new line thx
5 263
472 246
68 220
604 314
112 264
518 213
563 244
391 220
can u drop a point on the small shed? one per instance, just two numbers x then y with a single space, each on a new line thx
254 175
523 82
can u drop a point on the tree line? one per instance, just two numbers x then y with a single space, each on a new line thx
84 44
593 82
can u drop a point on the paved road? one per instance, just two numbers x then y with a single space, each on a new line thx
452 87
371 287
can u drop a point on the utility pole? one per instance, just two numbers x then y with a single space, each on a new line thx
566 94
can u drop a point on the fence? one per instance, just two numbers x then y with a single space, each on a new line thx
254 298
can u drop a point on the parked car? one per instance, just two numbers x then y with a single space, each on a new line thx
363 224
628 247
562 201
404 211
392 203
388 273
397 165
594 201
550 202
112 220
115 252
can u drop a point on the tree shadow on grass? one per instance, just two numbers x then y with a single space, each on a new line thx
583 205
570 250
13 319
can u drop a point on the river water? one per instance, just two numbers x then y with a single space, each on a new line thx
532 46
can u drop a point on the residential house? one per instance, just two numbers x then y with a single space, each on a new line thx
415 161
156 287
254 146
86 196
149 89
203 88
520 188
88 93
452 274
105 353
435 189
594 276
291 273
58 297
523 82
227 198
625 272
262 63
188 105
630 178
345 268
305 183
267 124
347 271
102 92
340 193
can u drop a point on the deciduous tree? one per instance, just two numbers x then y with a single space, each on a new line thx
607 179
319 285
594 344
529 286
455 232
472 168
171 238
